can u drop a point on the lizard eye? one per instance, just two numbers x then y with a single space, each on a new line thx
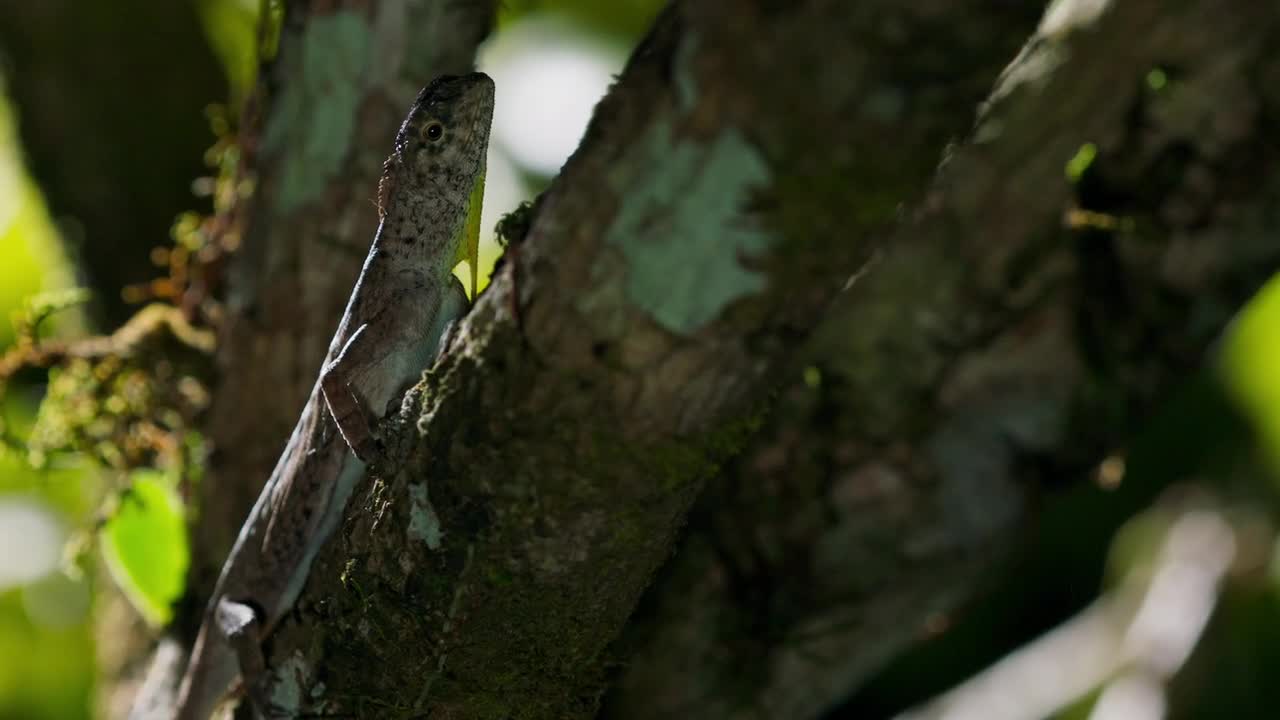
433 132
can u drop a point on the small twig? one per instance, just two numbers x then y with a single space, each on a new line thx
144 324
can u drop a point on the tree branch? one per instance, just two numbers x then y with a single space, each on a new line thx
991 352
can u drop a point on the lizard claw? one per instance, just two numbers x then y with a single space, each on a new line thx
371 451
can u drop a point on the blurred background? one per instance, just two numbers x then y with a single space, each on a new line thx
1154 587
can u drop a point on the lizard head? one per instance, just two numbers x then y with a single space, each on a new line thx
433 184
440 148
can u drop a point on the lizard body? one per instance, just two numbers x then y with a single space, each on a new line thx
406 296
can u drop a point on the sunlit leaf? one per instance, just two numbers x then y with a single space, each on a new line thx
1251 354
145 546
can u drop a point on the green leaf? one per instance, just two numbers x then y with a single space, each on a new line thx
1250 355
145 546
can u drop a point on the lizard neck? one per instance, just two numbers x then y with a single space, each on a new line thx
431 223
422 233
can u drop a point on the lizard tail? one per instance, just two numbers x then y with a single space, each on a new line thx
210 674
155 698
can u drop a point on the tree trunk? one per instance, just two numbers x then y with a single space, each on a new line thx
990 353
749 294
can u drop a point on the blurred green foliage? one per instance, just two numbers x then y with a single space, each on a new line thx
46 669
28 249
231 27
45 672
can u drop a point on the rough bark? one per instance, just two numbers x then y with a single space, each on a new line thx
111 115
989 353
625 351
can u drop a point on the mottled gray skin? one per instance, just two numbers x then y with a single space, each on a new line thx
404 299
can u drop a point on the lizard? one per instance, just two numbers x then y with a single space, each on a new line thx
429 218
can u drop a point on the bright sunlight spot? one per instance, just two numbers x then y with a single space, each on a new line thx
549 76
30 541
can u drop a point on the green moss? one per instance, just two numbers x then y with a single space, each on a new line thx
1080 162
499 576
514 226
825 216
502 624
1157 79
626 533
812 377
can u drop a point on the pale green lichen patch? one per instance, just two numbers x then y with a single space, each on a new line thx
424 524
315 115
287 689
682 226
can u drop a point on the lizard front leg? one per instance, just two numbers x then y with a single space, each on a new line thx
383 356
338 382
